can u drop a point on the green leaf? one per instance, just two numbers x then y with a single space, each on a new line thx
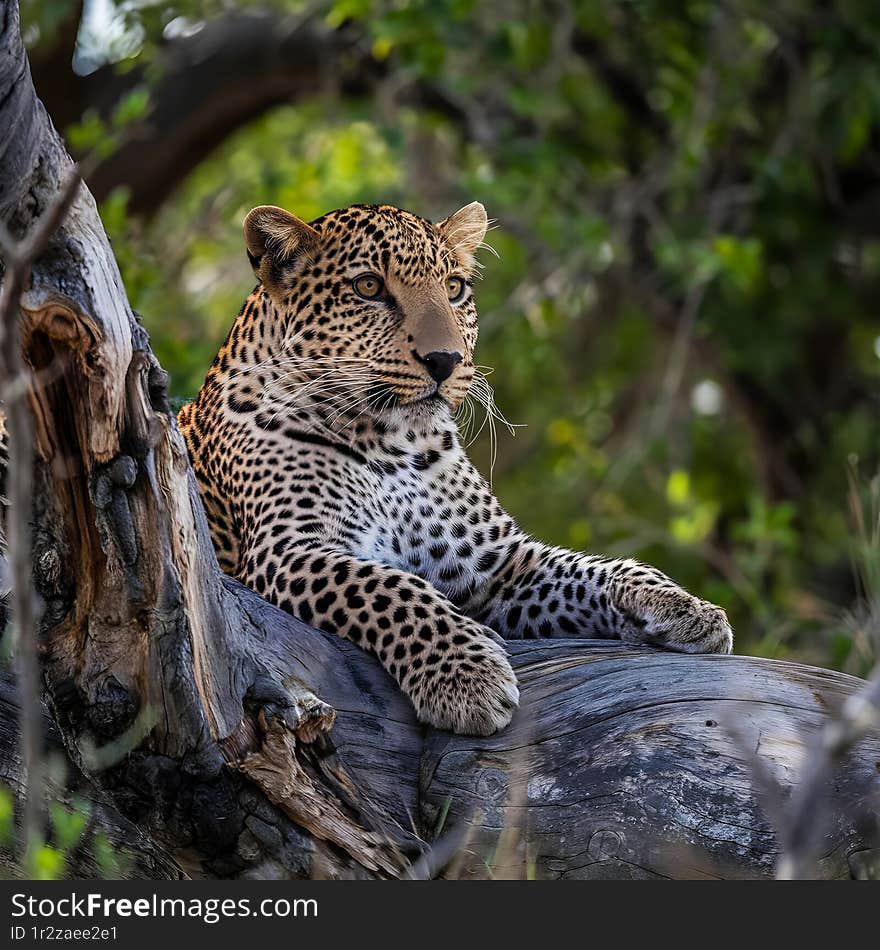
68 824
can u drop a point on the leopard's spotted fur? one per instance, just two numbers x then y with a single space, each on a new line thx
337 487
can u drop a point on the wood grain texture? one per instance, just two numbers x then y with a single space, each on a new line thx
629 763
136 856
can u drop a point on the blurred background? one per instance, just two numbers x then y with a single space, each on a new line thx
684 312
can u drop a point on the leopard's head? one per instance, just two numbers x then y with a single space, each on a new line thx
375 304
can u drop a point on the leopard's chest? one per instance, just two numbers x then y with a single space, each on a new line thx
422 520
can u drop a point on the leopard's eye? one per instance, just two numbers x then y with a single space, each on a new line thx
368 286
455 288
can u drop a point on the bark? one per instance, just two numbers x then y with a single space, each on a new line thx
240 741
135 855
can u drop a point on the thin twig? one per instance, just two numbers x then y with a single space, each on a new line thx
807 811
19 257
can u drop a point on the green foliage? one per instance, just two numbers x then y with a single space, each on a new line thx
72 843
7 815
47 864
68 823
683 314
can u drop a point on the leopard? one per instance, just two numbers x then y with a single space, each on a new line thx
328 453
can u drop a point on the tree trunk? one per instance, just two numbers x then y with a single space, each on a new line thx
241 742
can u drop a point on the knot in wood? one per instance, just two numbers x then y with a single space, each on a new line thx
492 786
605 843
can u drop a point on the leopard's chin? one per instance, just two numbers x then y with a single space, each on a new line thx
434 398
427 405
428 409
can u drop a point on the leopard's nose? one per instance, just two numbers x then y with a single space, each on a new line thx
440 364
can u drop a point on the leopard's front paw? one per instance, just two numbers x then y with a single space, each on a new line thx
676 620
470 689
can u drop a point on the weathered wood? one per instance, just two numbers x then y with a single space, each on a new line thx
612 767
245 743
135 855
635 764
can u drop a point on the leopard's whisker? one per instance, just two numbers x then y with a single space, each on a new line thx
351 405
323 381
330 387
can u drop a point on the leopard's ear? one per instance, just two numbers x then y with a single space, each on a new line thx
464 231
276 238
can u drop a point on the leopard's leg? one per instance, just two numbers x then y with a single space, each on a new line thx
542 591
452 668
